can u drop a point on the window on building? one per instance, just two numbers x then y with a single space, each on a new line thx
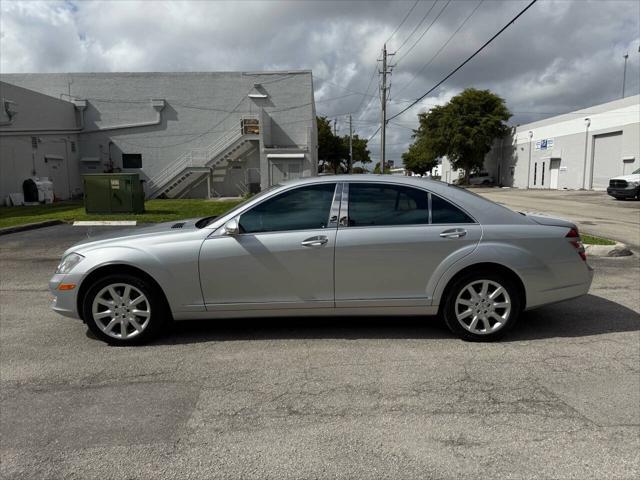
131 160
542 172
304 208
34 142
444 212
535 172
373 204
73 147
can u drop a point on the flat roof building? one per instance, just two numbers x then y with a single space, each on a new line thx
188 135
577 150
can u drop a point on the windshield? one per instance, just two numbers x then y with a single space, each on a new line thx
636 172
203 222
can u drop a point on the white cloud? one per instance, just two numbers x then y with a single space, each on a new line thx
561 55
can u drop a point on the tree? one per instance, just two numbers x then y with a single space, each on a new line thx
333 151
463 130
330 148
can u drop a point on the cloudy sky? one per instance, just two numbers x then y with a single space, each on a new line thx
560 56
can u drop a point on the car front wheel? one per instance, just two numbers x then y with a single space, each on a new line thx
124 310
482 306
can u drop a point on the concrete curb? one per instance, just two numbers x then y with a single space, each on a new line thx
617 250
29 226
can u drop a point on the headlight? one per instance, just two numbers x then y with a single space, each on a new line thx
68 262
634 184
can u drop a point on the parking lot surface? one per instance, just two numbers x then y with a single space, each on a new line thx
594 212
318 398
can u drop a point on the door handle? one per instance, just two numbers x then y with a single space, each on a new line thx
315 241
454 233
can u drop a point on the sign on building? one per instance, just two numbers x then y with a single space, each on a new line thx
544 144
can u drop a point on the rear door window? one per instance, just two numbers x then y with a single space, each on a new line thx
445 212
375 204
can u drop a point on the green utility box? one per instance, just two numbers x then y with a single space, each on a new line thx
113 193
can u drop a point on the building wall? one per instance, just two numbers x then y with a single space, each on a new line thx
615 126
39 140
199 108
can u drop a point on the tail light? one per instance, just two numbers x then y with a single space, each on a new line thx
574 235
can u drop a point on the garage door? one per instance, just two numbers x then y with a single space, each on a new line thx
607 151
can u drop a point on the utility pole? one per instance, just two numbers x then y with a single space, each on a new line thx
335 126
350 146
624 74
386 70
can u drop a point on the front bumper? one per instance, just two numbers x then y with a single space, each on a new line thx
64 301
629 192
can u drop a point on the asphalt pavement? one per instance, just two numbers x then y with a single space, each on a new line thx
318 398
594 212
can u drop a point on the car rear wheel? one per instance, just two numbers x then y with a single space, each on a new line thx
482 306
124 310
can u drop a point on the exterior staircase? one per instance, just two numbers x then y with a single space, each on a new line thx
195 165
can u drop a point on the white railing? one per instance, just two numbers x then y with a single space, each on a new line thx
198 157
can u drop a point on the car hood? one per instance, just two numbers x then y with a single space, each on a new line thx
152 233
629 178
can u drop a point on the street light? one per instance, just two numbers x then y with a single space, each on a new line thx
624 74
529 165
587 122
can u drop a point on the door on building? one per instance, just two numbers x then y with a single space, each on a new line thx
607 150
283 170
56 168
554 172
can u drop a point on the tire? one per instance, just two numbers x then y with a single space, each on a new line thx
139 319
473 326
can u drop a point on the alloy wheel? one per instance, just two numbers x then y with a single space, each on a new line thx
483 307
121 311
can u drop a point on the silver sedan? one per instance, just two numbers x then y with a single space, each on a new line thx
341 245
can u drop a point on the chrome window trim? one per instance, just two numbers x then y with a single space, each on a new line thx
334 211
343 221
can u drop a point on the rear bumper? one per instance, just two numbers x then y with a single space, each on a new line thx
562 293
630 192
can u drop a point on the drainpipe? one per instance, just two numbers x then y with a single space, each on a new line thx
529 165
587 122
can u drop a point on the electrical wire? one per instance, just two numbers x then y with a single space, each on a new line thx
424 33
402 22
417 26
442 47
453 72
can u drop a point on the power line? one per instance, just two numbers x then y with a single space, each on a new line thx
375 68
425 32
442 47
418 25
403 20
453 72
373 74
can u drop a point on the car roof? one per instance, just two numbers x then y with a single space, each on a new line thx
483 210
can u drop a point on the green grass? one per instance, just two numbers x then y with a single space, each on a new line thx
591 240
156 211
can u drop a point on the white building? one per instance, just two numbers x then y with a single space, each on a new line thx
577 150
193 135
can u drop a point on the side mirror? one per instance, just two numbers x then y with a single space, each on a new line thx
232 227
